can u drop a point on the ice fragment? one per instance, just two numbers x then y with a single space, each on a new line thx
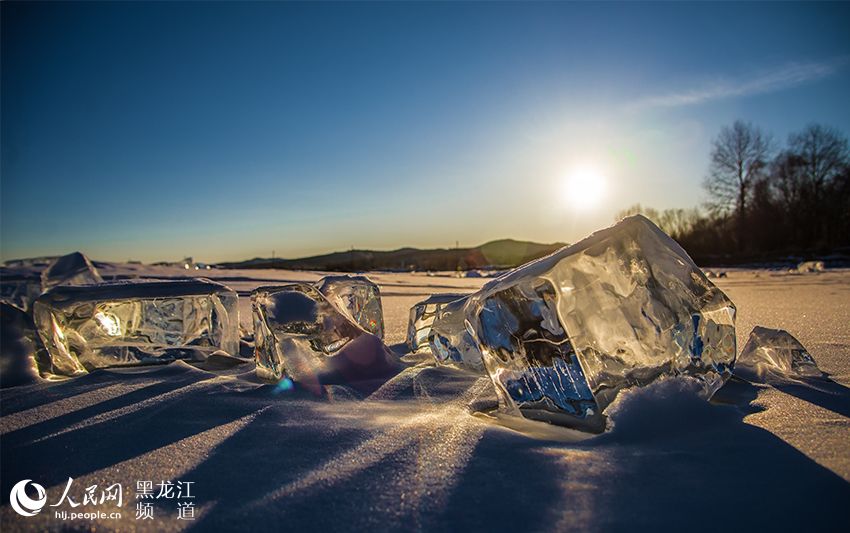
20 286
300 333
422 317
358 298
135 322
71 269
450 340
774 353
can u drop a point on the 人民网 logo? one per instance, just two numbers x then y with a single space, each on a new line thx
23 504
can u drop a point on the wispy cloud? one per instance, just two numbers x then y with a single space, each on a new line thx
766 81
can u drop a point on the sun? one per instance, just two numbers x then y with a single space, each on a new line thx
584 187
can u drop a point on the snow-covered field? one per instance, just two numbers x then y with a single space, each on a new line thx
418 454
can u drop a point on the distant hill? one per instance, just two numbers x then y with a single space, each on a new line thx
505 253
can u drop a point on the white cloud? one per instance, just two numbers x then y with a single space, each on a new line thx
784 77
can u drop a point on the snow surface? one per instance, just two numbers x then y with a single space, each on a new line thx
420 453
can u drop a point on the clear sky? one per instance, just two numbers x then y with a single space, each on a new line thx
152 131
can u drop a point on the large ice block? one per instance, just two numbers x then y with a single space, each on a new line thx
71 269
561 336
136 322
358 298
299 333
450 340
774 353
422 317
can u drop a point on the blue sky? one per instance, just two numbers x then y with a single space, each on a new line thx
152 131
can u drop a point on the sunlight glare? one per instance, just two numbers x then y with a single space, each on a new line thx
584 188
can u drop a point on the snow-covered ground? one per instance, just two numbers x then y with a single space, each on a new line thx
417 454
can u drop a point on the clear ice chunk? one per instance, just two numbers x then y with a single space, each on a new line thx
774 353
422 317
72 269
450 340
136 322
358 298
562 335
300 333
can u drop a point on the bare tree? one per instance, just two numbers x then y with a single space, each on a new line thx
822 154
821 157
678 222
674 222
787 176
739 157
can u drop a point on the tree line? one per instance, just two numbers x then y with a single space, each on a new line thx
766 202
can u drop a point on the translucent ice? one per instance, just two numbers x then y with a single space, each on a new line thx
450 341
561 336
300 333
135 322
358 298
71 269
422 316
774 353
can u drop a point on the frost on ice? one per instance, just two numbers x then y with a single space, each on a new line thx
561 336
774 353
451 342
358 298
422 317
135 322
300 333
71 269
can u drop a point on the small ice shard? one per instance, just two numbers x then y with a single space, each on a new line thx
450 341
300 333
422 316
135 322
358 298
810 266
71 269
21 350
774 353
563 335
20 286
